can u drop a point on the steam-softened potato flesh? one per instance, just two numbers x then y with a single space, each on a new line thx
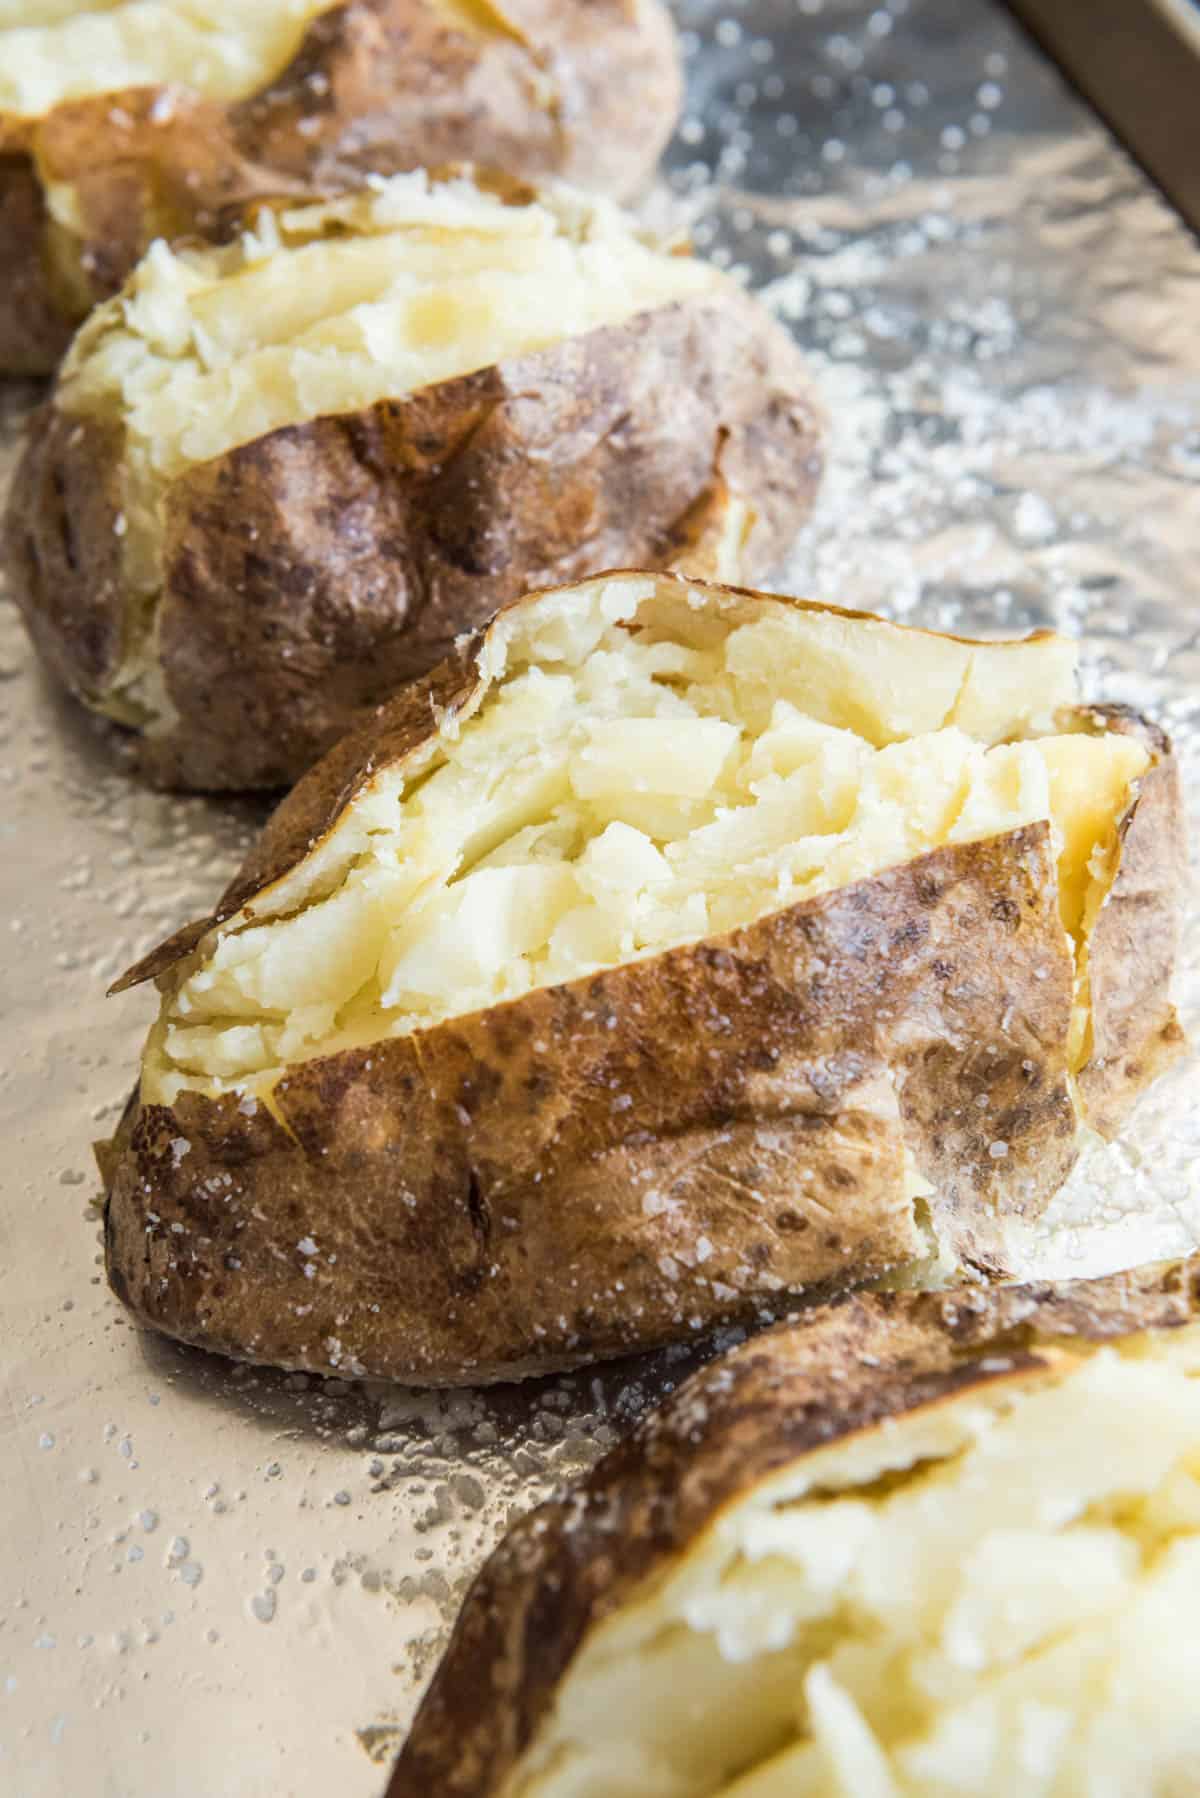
1000 1595
332 306
53 50
625 787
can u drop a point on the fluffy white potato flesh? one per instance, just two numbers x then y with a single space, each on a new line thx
997 1595
56 50
650 764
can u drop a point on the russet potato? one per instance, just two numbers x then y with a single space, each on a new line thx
671 952
277 479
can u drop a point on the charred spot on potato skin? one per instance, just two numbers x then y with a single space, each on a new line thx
507 1031
842 1179
792 1222
714 957
538 1085
478 1209
481 1086
1006 911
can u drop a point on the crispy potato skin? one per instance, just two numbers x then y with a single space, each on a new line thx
841 1371
479 1190
1135 1032
61 545
34 333
589 93
310 572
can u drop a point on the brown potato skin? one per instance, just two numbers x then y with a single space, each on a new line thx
34 333
845 1370
1134 944
61 550
478 1190
313 571
589 93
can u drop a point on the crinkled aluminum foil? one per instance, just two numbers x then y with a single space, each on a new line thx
216 1579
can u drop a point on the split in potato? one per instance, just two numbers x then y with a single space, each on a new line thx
622 791
279 478
670 952
906 1548
126 120
52 51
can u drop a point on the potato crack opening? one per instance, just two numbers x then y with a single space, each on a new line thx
57 50
630 785
326 309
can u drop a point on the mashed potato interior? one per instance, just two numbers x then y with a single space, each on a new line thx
331 306
643 773
55 50
997 1596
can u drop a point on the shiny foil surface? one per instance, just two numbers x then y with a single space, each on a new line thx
216 1579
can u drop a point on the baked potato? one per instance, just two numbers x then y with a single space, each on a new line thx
669 952
912 1546
277 479
126 120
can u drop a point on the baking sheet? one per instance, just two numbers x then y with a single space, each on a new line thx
1138 63
220 1580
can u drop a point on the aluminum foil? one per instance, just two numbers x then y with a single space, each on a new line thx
216 1579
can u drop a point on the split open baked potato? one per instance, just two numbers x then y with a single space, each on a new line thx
126 120
277 479
917 1546
670 951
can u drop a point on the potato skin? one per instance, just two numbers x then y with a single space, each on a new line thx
848 1369
309 573
1133 946
34 332
63 552
589 93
